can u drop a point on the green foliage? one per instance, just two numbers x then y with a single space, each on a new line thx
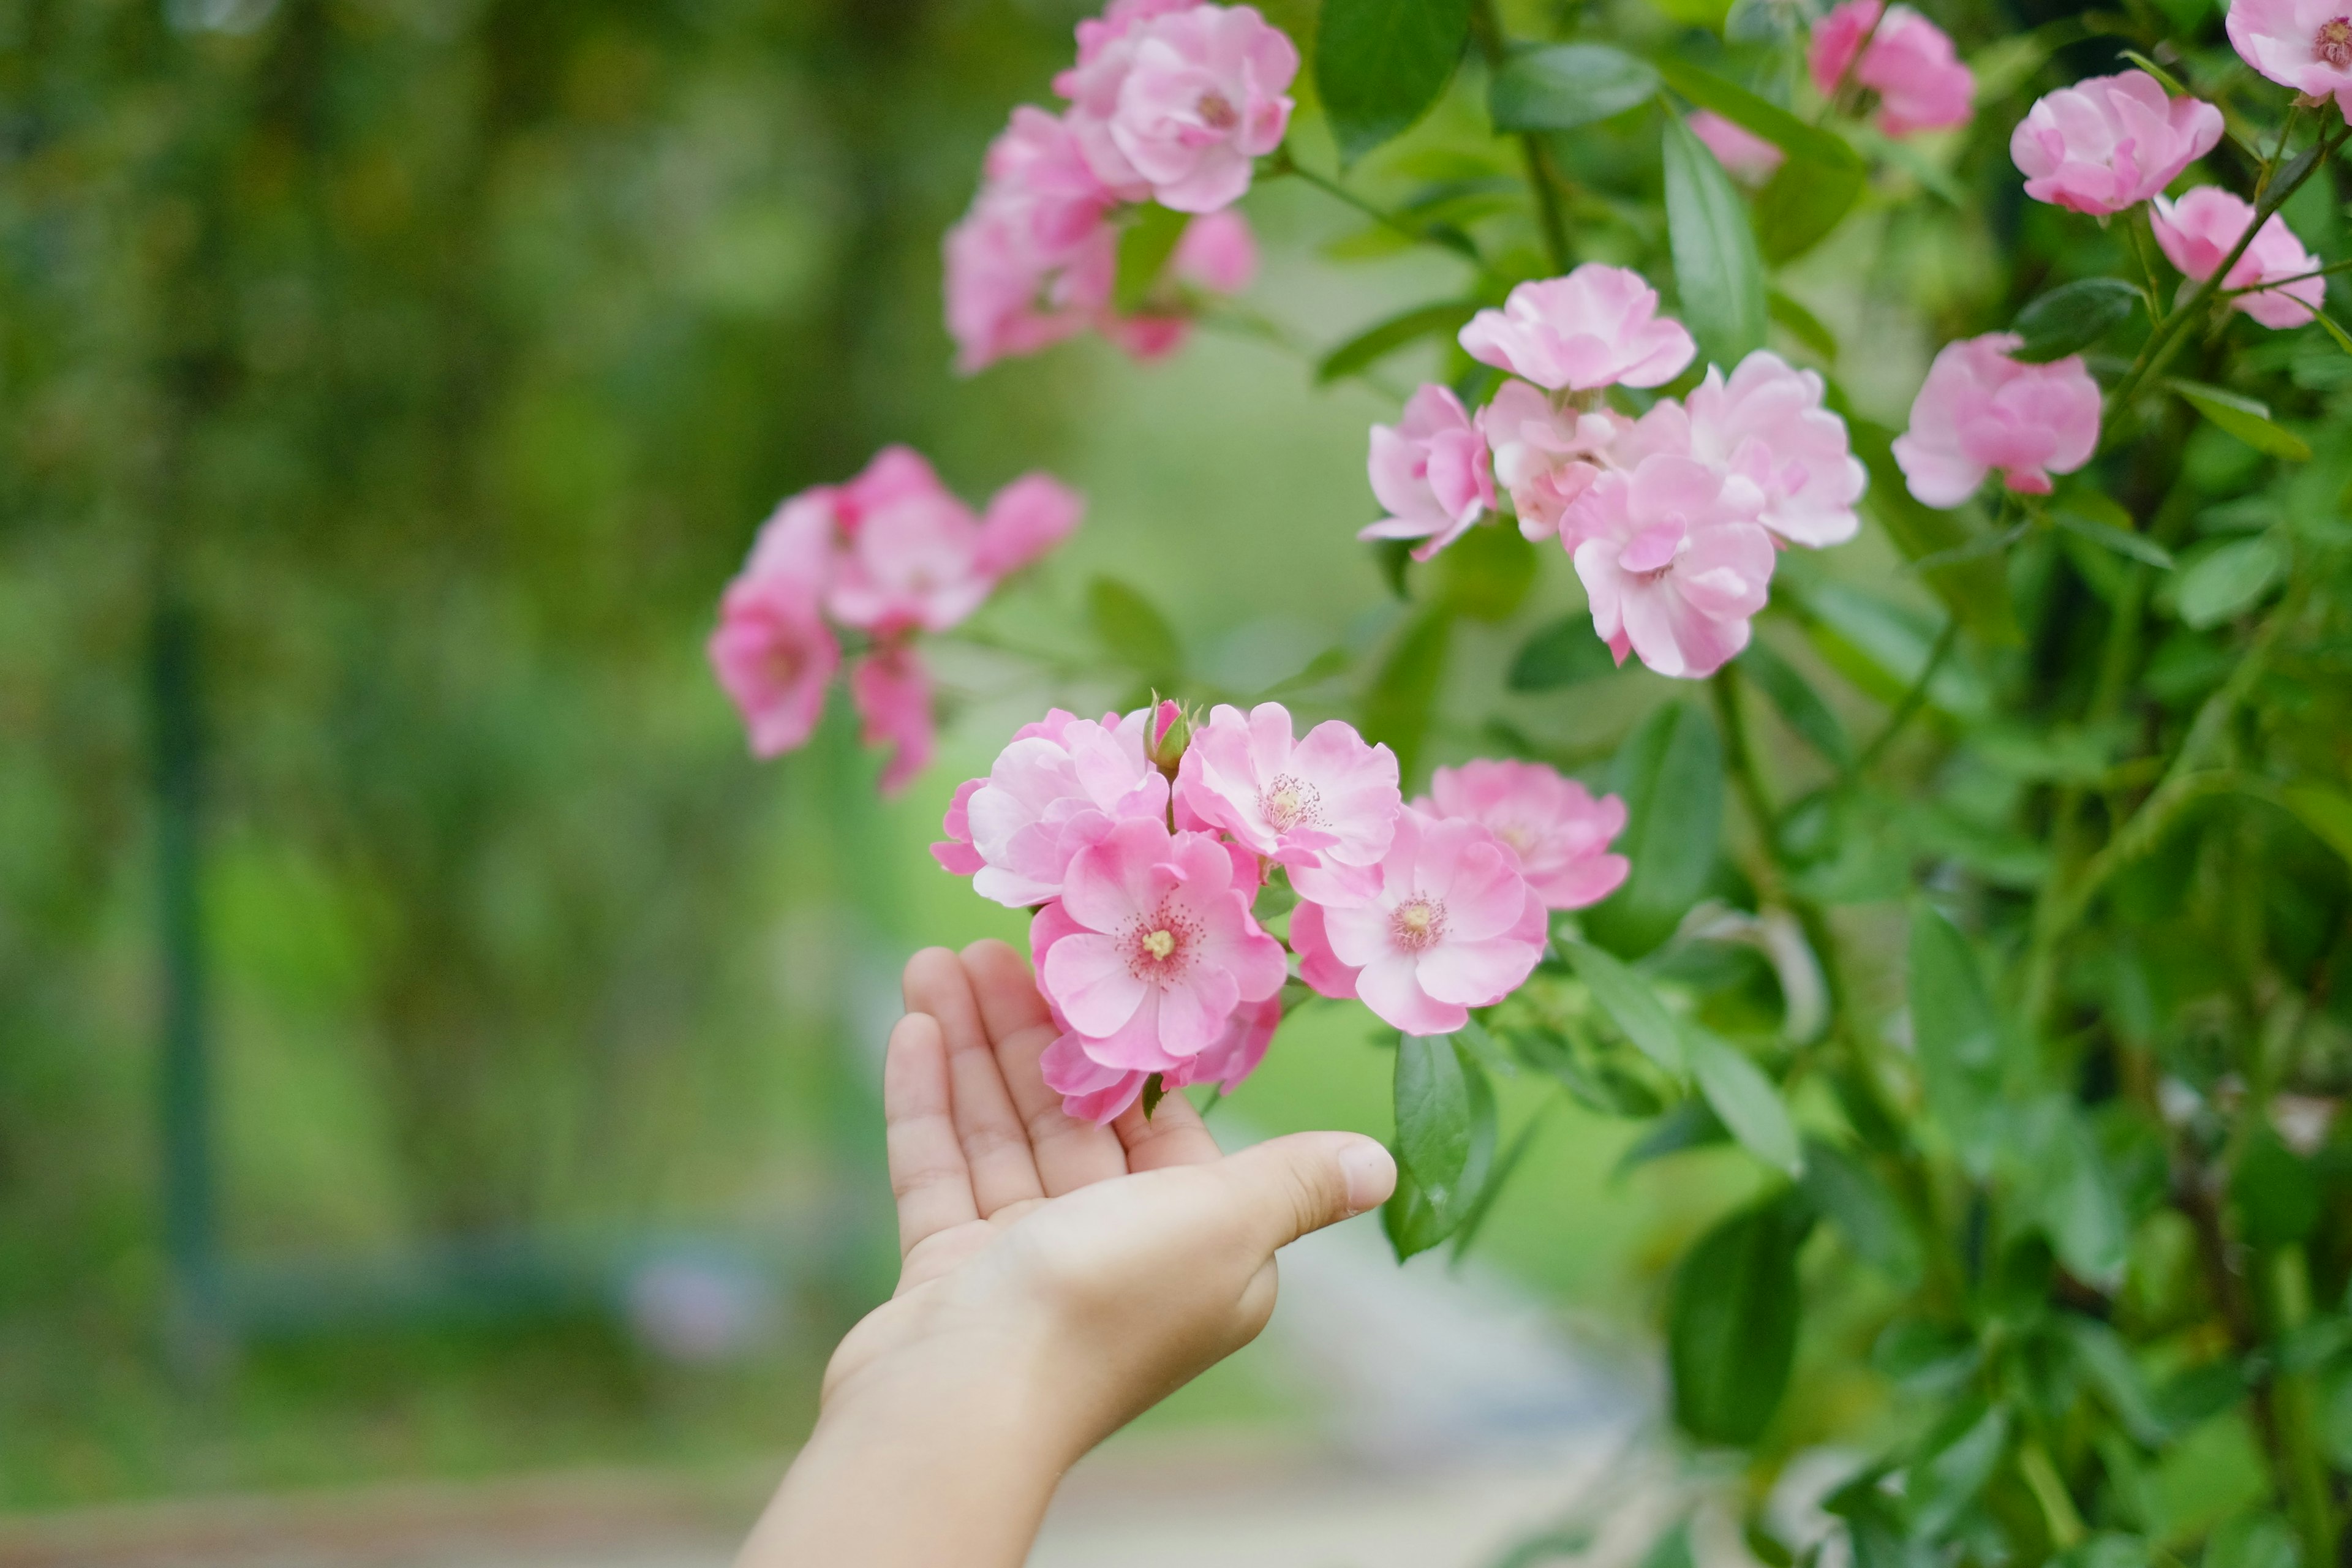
1731 1322
1380 64
1564 86
1718 270
2070 318
1669 772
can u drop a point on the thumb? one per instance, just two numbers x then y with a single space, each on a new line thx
1290 1186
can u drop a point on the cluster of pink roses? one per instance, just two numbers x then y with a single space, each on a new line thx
1673 519
1907 60
1142 845
1170 101
888 556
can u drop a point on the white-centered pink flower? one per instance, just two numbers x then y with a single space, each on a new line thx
1907 60
1094 1092
2204 225
1035 259
1431 470
2110 142
1057 786
1178 104
911 557
1544 454
2303 43
1597 327
1744 154
1555 832
1324 805
1451 926
1766 425
1164 952
892 692
1982 412
1674 563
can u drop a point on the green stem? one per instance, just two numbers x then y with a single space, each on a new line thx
1282 163
1913 701
1543 181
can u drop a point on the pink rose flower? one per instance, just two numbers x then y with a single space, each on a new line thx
1451 926
1981 410
892 691
1217 255
1034 259
2303 43
1544 454
1767 426
1203 96
1555 832
1025 519
1432 471
2203 227
1106 48
955 853
1164 952
774 657
1746 155
1059 786
1597 327
1674 561
1325 807
913 552
2110 142
1093 1092
1909 62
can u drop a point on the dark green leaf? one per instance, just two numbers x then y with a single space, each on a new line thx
1394 558
1975 591
1801 324
2275 1190
1397 709
1432 1115
1801 203
1491 1187
1692 1124
1144 247
2070 318
1376 342
1797 700
1154 1091
2070 1191
1380 64
1560 654
2243 417
1955 1032
1959 1462
2221 583
2251 1541
1629 1003
1670 775
1849 1195
1923 1358
1134 633
1746 1100
1884 648
1731 1324
1418 1217
2123 542
1718 272
1561 86
1486 573
2326 812
1804 143
2108 1362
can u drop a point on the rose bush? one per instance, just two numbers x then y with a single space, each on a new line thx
1973 386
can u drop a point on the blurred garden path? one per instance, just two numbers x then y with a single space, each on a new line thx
1457 1419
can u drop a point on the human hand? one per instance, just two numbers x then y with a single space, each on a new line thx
1057 1278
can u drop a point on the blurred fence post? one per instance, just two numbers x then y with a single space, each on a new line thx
196 1328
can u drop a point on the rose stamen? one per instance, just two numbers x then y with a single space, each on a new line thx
1418 924
1217 111
1286 801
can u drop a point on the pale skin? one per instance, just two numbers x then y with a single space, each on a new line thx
1056 1279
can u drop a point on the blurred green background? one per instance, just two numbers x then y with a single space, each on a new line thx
428 1044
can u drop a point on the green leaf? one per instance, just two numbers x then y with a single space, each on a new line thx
1144 247
2071 1193
1956 1034
1718 272
1961 1458
1746 1100
1692 1124
2107 536
2326 812
1154 1091
1804 143
2108 1359
1380 64
2243 417
1797 700
1330 662
1132 632
1491 1187
1803 202
1731 1324
1801 324
1432 1115
1486 573
2251 1541
1376 342
1669 772
1560 654
2228 580
1417 1217
2070 318
1397 709
1629 1003
1975 591
1849 1195
1562 85
2276 1191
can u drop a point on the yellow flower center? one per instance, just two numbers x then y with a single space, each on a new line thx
1159 943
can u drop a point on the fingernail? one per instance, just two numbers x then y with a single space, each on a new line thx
1372 1175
